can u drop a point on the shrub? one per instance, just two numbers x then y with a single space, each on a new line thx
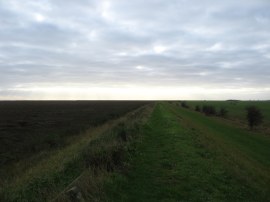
184 104
197 108
223 112
254 116
209 110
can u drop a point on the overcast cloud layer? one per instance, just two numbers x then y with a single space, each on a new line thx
119 49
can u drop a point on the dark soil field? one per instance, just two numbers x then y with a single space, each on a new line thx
30 127
133 151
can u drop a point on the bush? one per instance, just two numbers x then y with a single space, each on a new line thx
209 110
184 104
254 116
223 112
197 108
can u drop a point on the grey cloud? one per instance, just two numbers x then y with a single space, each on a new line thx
102 43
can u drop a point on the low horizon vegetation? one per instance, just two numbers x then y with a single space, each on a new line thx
249 113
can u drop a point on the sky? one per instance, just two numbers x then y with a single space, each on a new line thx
120 49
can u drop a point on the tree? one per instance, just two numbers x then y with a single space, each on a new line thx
197 108
184 104
209 110
223 112
254 116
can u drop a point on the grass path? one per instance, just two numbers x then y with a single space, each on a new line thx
255 145
176 161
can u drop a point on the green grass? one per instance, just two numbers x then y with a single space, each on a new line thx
237 109
256 146
176 154
100 149
185 156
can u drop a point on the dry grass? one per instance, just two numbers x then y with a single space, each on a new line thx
93 154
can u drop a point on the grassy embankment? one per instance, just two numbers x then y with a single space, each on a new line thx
237 110
186 156
91 156
180 155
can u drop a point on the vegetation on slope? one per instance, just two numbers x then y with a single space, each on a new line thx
236 111
177 154
98 149
28 128
185 156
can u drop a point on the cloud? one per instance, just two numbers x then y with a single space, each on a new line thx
130 45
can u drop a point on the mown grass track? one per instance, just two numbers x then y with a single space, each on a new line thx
184 156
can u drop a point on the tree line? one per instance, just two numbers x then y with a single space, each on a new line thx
253 114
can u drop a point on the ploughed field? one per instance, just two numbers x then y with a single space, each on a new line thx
30 127
133 151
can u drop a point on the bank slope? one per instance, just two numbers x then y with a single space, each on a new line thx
179 158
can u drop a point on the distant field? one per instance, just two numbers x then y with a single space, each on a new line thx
30 127
237 109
